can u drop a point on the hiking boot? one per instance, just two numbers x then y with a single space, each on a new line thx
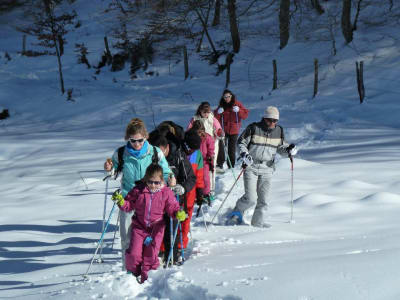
219 170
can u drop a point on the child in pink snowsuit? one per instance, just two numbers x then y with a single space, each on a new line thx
150 199
207 151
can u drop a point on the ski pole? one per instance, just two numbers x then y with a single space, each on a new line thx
291 190
181 238
100 242
173 242
229 160
237 120
105 207
115 232
226 197
180 234
204 218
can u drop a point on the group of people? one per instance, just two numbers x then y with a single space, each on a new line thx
165 172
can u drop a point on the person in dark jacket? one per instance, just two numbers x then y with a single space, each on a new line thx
230 113
170 144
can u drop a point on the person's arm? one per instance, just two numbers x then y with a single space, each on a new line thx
185 168
244 140
164 164
171 205
282 148
129 201
190 125
243 112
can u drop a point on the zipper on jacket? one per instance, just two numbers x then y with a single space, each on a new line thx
149 210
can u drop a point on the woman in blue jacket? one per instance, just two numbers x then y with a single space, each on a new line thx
132 161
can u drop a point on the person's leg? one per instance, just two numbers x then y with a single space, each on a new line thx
124 224
150 259
134 254
249 198
221 155
232 140
186 228
206 178
263 188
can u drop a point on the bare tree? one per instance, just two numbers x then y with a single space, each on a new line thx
284 22
347 28
50 29
317 6
233 25
217 13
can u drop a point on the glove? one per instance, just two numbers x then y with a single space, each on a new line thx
199 196
181 215
210 161
292 149
178 190
246 158
220 110
147 241
117 198
220 133
235 109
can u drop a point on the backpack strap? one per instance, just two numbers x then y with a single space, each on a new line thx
120 161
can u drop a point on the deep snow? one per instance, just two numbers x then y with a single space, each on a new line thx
343 243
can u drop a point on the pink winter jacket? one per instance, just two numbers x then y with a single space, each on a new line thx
207 149
150 207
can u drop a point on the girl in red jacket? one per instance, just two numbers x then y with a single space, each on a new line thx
230 113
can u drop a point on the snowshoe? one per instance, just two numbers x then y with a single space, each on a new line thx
234 218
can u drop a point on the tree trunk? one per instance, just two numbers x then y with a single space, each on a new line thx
284 23
206 32
228 69
317 6
275 76
233 25
315 77
347 28
59 66
186 62
217 13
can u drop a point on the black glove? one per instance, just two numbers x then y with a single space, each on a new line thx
199 196
290 147
210 161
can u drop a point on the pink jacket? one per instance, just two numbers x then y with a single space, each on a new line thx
150 207
207 148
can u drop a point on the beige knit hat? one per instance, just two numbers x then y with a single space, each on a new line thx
271 112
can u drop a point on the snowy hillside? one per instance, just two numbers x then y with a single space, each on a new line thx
344 241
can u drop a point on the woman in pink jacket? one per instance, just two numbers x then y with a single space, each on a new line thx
207 150
150 199
211 125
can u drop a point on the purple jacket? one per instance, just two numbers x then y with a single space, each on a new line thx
150 207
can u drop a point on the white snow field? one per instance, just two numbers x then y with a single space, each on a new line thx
344 239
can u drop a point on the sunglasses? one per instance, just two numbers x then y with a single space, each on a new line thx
153 182
271 120
136 141
227 97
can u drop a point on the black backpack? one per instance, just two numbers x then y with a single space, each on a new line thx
121 159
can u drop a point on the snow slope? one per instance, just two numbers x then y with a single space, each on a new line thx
342 244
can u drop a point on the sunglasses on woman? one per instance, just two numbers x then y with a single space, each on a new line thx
136 141
153 182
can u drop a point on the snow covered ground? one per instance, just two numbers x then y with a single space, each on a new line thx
342 244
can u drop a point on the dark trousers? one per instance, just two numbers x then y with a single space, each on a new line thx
230 140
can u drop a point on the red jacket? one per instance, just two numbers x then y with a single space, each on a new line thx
230 124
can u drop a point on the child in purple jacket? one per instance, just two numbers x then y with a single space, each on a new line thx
150 199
